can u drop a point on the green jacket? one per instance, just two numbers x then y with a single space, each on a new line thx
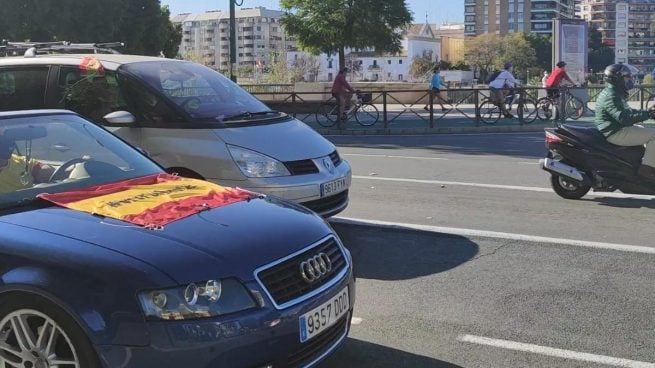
613 112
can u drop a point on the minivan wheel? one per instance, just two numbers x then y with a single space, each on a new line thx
568 189
37 334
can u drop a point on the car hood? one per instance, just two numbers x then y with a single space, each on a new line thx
230 241
291 140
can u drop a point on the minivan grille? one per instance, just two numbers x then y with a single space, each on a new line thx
284 282
301 167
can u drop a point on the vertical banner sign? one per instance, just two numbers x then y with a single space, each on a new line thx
621 43
571 46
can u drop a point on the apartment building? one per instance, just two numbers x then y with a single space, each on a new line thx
507 16
627 26
260 35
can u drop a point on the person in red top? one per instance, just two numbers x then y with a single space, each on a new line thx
555 79
342 91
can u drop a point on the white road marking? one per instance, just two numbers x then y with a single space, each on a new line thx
392 156
356 321
500 186
497 235
554 352
540 133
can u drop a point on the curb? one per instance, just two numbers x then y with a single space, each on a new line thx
422 131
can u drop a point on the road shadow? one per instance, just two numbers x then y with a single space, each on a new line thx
385 253
362 354
528 145
623 202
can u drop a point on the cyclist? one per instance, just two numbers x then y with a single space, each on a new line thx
617 121
497 88
343 92
555 80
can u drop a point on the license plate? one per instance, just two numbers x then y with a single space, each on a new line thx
321 318
333 187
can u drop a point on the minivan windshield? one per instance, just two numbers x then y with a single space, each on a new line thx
200 91
61 152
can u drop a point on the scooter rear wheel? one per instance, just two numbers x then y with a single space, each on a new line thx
568 189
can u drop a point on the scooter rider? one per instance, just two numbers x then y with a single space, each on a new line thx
616 120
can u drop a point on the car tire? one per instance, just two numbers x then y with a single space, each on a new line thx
39 315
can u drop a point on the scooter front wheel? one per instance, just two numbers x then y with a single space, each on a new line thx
568 189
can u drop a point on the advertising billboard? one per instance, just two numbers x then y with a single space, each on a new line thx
571 46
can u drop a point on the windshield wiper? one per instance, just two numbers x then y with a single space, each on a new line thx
248 115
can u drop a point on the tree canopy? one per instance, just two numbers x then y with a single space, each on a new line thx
331 26
600 55
489 51
143 25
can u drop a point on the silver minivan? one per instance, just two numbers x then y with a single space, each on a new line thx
190 119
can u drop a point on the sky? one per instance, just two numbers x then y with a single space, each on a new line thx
438 11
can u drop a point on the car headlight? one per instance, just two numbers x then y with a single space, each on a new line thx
256 165
197 300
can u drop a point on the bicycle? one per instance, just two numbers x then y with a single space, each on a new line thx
489 111
365 113
573 107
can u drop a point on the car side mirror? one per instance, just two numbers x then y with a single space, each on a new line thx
120 117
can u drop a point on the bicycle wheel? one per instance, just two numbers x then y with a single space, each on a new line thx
544 108
527 111
574 108
489 112
650 103
327 114
367 114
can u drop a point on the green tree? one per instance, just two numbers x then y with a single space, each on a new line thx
517 51
143 25
331 26
483 52
543 47
600 55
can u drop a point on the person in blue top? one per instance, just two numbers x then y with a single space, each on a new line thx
435 88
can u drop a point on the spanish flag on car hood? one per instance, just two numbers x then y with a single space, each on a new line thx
150 201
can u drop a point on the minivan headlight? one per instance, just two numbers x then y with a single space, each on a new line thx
256 165
196 300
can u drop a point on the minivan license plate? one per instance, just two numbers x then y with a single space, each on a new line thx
333 187
321 318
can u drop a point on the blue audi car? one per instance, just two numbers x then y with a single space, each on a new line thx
257 282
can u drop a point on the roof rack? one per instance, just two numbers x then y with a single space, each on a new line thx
59 47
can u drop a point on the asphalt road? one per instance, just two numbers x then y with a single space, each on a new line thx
465 258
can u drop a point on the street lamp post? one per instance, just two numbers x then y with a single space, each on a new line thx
233 39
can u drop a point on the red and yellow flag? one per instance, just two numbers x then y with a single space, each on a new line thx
154 200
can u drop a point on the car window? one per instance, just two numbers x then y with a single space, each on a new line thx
56 153
201 92
22 89
146 105
90 95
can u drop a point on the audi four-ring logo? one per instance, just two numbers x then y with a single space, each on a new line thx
315 267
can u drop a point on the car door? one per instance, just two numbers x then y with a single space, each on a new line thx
23 87
94 95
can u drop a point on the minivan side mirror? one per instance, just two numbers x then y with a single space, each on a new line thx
120 117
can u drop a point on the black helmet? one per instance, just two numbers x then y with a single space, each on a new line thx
561 64
615 75
507 66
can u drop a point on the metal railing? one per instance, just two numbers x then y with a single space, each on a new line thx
462 103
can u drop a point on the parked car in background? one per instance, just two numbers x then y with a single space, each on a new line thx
252 282
190 119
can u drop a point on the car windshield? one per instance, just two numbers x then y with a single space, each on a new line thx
202 92
61 152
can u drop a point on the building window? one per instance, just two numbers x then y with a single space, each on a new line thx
400 77
400 61
329 64
389 62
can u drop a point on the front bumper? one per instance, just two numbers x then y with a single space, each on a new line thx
302 189
265 337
